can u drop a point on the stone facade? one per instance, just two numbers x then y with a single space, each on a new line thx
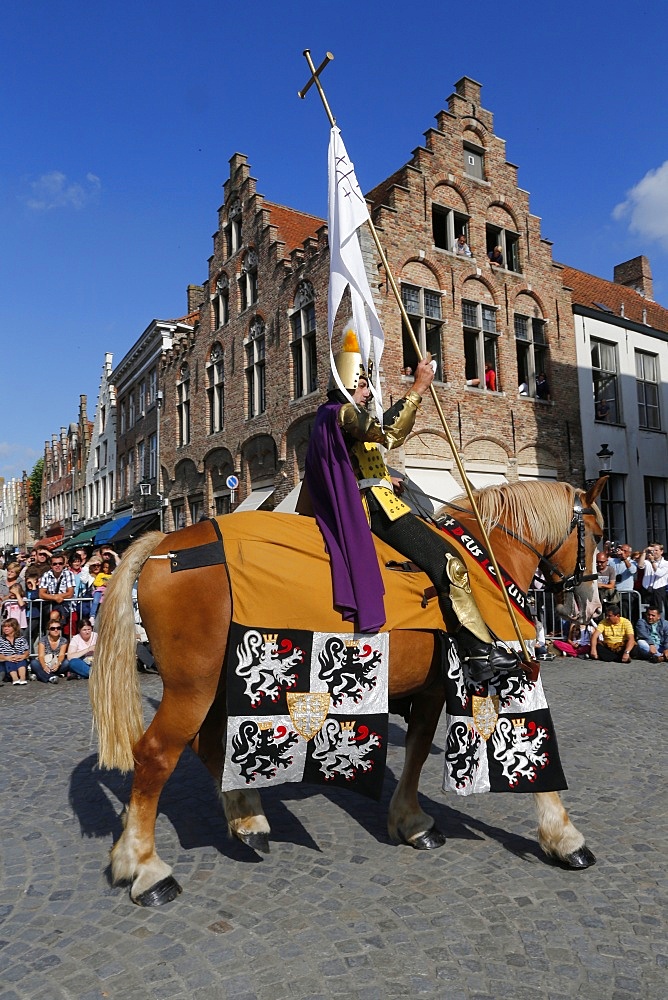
64 478
241 392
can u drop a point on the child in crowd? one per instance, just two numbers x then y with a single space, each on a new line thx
14 652
99 586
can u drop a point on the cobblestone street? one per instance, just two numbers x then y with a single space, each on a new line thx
336 910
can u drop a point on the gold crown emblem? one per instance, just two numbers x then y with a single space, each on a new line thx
352 643
519 722
264 726
270 636
348 727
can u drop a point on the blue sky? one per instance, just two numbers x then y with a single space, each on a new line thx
118 123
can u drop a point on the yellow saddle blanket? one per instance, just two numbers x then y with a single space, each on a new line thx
280 575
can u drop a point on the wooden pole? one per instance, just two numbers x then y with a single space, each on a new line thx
315 79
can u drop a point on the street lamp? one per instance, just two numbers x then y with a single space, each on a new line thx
604 457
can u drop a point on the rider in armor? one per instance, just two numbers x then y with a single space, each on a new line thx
351 491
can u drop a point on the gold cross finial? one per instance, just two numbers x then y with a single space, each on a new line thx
315 79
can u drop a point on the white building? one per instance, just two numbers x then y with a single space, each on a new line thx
101 466
622 354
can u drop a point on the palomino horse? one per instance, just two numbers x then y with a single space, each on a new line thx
548 523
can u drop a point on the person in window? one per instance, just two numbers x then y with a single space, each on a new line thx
490 377
351 492
496 257
462 249
523 389
542 387
602 409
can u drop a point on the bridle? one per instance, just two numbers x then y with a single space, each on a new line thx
555 580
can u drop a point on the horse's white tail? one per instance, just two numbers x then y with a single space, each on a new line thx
114 682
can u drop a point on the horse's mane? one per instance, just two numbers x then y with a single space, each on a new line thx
538 510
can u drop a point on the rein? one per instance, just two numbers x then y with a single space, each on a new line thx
555 580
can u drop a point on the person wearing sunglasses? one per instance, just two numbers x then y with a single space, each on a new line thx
51 654
57 586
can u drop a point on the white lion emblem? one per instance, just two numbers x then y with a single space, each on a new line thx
516 749
340 751
265 667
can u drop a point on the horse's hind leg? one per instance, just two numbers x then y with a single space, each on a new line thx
243 809
406 821
134 858
558 837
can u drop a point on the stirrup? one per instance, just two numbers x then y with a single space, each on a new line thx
484 662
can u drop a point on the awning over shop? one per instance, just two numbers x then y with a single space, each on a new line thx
49 542
136 526
255 499
83 538
289 503
111 529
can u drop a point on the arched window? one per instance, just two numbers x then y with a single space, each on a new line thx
221 302
183 404
215 377
303 346
248 281
255 369
233 227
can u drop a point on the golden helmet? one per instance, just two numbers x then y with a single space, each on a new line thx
348 362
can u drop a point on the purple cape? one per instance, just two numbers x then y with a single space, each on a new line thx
356 579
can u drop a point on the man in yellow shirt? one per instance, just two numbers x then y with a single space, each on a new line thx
613 638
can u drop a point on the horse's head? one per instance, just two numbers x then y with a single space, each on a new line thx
570 569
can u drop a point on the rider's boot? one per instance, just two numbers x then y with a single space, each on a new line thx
463 619
484 659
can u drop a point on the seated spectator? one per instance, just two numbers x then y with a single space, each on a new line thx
652 636
542 387
461 248
613 639
577 643
100 582
490 376
51 654
606 576
496 257
14 652
81 648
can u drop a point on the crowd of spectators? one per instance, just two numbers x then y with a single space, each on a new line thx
48 602
633 626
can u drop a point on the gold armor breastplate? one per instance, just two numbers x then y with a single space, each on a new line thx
369 464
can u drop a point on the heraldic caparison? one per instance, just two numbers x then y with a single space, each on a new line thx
351 491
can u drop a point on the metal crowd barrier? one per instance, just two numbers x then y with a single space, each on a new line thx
630 604
36 624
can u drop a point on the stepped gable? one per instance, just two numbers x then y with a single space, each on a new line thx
592 292
293 227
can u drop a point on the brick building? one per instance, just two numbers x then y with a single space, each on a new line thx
64 478
240 393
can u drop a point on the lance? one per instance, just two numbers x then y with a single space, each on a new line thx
314 79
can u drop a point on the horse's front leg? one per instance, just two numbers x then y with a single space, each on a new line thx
558 837
406 821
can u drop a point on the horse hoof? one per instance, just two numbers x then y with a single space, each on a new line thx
582 858
430 840
162 892
259 842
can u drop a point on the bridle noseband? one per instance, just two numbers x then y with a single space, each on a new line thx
550 571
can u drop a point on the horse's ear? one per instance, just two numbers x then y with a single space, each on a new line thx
594 492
